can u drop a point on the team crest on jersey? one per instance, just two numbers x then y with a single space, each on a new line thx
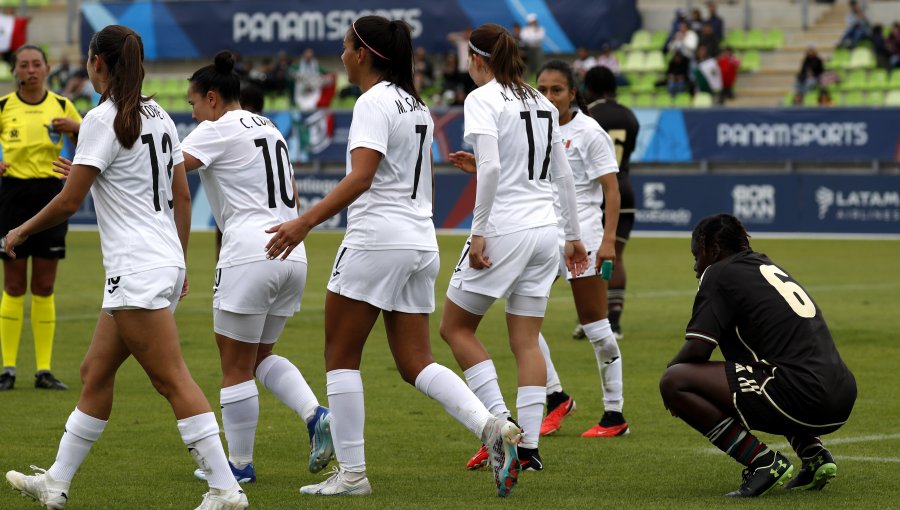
14 132
55 136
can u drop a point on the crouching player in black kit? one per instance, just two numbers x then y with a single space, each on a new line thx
782 373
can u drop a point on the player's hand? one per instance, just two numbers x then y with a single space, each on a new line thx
477 258
607 251
62 166
3 167
287 236
185 288
65 125
12 239
576 257
465 161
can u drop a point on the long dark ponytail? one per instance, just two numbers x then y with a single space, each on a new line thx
390 43
499 49
123 52
566 70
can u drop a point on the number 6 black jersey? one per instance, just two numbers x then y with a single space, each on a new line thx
757 314
133 193
248 180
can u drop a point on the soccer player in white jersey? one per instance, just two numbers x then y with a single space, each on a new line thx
129 157
388 261
592 156
512 252
247 175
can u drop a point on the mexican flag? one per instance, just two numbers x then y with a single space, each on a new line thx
13 32
708 76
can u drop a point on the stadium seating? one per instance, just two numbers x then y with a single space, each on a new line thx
839 59
751 61
641 40
878 80
634 62
861 58
682 100
663 101
875 98
703 100
654 62
894 81
643 101
5 72
855 80
854 98
892 98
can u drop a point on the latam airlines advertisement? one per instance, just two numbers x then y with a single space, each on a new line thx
192 28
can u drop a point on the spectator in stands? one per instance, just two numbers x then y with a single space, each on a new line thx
453 83
798 99
729 65
857 26
677 74
893 46
684 41
608 60
516 32
79 86
718 24
676 23
533 38
584 62
461 41
879 45
307 81
59 76
810 71
696 21
424 70
706 73
825 98
280 79
709 40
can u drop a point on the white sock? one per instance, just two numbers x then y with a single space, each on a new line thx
201 435
482 380
553 384
82 431
441 384
530 411
240 414
609 360
285 381
348 418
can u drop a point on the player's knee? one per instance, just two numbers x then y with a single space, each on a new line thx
42 287
14 288
670 384
95 375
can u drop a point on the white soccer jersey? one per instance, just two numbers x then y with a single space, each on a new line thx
395 212
591 154
525 129
249 181
133 193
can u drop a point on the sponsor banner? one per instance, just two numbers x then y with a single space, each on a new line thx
197 28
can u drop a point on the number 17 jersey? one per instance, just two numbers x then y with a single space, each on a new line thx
249 182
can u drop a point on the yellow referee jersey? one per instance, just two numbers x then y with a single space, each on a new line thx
30 144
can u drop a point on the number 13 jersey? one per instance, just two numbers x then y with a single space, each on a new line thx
248 180
395 212
133 193
525 129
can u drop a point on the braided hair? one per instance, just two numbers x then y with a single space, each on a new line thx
723 230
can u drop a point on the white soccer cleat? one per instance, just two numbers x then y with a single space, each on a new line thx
340 483
224 499
48 492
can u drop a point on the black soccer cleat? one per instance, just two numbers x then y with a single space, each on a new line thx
44 380
7 380
530 459
815 473
762 477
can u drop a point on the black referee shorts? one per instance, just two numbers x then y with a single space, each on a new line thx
20 199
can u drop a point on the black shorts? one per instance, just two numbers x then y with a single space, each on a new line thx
753 386
20 199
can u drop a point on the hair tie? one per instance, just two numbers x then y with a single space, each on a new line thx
478 51
364 42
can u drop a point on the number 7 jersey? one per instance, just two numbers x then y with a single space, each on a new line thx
133 193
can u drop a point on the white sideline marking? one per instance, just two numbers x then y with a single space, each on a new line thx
812 288
871 459
841 440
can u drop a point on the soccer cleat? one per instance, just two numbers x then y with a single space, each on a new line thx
246 474
612 424
502 439
479 460
321 447
617 331
815 473
7 380
530 459
40 487
760 479
44 380
340 483
578 333
224 499
553 421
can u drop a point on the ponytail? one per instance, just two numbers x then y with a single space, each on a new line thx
501 53
390 44
566 70
123 52
218 76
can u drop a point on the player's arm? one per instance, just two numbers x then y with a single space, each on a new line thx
610 184
693 351
190 162
575 254
363 162
181 202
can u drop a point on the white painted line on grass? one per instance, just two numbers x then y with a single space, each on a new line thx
870 459
841 287
840 440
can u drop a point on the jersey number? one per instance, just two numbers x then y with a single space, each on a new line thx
618 136
794 294
154 163
422 130
541 114
280 147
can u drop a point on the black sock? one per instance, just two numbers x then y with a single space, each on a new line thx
806 447
616 302
555 399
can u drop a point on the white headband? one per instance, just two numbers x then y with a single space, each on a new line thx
480 52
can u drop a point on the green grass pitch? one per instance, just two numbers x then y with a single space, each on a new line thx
416 453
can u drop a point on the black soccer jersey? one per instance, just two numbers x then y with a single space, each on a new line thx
756 313
622 126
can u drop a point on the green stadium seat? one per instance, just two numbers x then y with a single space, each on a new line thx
756 40
641 40
751 61
855 80
5 72
861 58
659 39
703 100
788 99
878 80
37 3
643 101
774 39
875 98
682 100
892 98
644 83
625 99
839 59
811 98
83 104
654 62
663 101
152 86
174 86
737 39
894 81
278 103
634 62
854 98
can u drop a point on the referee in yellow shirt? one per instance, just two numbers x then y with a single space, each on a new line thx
33 121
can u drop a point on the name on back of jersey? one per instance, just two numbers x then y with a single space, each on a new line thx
256 121
409 104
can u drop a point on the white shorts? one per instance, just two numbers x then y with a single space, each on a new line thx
591 220
149 290
270 287
522 263
392 280
258 328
